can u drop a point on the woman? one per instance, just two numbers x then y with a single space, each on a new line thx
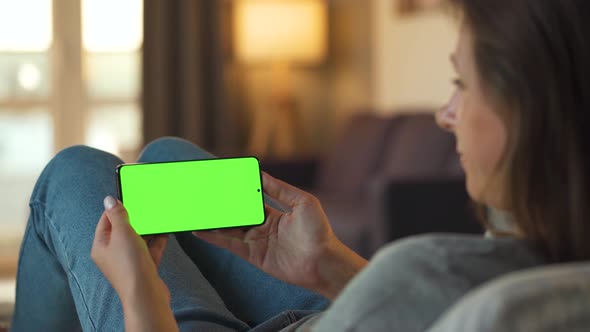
519 115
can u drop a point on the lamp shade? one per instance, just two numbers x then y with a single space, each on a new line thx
280 30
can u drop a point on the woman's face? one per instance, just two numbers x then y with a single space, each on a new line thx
481 135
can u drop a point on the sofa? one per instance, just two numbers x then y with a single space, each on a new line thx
553 298
386 177
389 177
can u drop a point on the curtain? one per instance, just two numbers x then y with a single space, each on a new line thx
183 82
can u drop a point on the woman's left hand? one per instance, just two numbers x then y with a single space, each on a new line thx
130 264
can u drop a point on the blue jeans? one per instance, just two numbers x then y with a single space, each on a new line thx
59 288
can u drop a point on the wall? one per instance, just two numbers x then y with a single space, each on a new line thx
411 67
377 60
351 44
311 91
326 93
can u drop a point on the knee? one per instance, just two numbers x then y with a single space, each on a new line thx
165 143
73 169
82 156
77 163
73 152
172 149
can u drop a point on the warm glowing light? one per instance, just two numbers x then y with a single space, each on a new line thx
25 25
103 141
280 30
112 25
29 76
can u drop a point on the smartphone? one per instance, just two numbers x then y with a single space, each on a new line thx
180 196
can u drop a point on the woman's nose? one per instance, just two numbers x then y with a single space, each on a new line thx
446 116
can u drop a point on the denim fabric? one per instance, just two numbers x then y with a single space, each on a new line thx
59 288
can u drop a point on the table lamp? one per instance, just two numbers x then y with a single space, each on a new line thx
279 33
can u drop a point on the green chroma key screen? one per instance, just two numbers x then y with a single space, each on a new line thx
183 196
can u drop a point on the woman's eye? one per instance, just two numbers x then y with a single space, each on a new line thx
458 83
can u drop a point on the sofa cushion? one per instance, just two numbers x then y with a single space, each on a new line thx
553 298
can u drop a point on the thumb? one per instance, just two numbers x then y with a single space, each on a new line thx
281 191
116 212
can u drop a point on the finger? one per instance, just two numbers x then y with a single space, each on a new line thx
102 238
116 212
240 233
102 234
235 233
166 291
281 191
231 243
148 239
156 247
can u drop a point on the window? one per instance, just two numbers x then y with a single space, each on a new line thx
111 42
70 73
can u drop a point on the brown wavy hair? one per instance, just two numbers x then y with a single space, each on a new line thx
533 58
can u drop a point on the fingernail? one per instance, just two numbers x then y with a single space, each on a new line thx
109 202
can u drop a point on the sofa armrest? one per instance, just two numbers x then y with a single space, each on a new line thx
547 298
300 173
417 206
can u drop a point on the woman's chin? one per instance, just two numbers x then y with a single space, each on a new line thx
475 193
489 197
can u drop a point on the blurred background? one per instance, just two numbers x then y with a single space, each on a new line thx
276 78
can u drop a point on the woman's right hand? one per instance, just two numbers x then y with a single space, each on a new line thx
130 262
298 246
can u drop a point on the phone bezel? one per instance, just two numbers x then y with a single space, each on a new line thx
120 191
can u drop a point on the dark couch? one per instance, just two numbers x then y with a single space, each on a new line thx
386 177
